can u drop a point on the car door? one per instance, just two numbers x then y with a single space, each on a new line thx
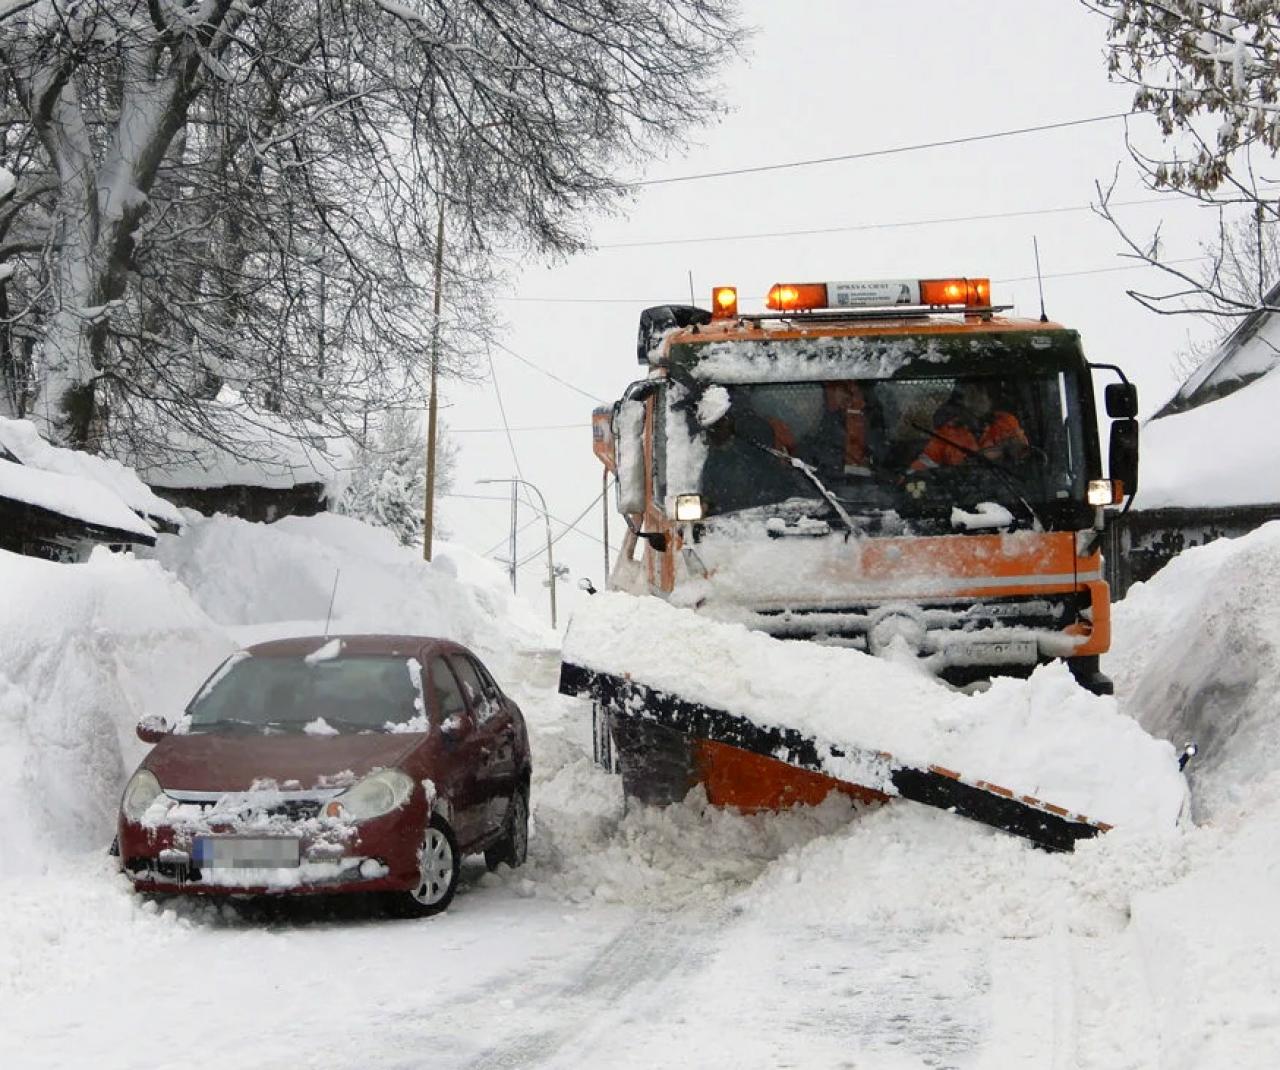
493 724
463 754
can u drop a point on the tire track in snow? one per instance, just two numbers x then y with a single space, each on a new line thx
633 973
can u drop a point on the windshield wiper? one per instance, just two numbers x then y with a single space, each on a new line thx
812 475
224 722
1010 480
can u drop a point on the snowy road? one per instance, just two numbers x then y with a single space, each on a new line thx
898 938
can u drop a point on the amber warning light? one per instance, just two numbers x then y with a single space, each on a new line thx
880 293
724 302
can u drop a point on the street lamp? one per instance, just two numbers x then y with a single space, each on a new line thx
551 565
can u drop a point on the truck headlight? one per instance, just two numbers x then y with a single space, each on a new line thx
142 790
689 507
1101 492
377 794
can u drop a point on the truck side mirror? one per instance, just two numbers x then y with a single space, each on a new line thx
628 443
1122 400
1123 461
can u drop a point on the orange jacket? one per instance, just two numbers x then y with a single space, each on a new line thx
1002 429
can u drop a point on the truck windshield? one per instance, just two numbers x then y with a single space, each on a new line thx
919 447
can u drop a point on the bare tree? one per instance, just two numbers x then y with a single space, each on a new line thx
243 194
1209 73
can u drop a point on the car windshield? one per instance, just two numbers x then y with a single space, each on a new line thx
915 447
318 696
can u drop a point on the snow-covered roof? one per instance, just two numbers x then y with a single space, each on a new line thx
1217 454
21 439
1211 444
72 496
265 452
1246 354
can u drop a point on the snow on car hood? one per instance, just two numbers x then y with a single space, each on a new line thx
239 762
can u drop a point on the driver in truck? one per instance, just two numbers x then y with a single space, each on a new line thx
968 425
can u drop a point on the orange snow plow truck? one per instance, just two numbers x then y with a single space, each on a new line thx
893 466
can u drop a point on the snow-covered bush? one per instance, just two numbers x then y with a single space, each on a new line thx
388 484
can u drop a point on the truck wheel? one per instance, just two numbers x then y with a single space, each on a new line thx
1090 676
657 763
512 849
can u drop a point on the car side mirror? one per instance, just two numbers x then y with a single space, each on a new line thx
1123 457
1122 400
152 728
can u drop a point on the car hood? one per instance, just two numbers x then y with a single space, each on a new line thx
212 762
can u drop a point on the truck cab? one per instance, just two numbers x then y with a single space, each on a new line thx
892 466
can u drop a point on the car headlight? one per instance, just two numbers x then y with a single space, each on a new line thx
142 790
377 794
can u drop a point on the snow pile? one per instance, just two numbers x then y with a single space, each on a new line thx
21 439
1044 737
268 581
1197 657
85 651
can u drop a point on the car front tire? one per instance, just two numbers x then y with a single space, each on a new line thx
439 862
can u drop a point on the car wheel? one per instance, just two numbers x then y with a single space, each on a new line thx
514 845
438 863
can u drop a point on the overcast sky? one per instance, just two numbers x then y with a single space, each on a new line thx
823 78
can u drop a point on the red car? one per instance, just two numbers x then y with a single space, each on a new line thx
352 763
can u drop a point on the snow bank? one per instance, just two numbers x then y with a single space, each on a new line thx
271 580
1196 656
22 439
1044 736
85 651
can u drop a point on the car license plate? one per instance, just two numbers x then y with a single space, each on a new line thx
994 652
245 852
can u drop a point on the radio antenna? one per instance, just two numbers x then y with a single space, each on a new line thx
1035 244
332 595
692 300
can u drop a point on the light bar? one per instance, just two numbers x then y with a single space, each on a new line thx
880 293
724 302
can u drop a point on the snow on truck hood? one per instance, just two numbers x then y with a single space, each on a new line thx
1045 736
211 762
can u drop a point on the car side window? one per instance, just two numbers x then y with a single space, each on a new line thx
449 700
472 686
491 689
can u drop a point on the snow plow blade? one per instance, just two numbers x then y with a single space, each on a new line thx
1044 824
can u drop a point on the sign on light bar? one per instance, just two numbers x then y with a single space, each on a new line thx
880 293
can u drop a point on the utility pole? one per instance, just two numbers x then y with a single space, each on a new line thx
511 540
428 506
551 565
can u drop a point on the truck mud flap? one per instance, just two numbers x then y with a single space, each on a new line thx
1044 824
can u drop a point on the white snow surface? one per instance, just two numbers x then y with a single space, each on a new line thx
1045 737
896 937
22 439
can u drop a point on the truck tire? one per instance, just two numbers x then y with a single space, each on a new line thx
1090 676
656 762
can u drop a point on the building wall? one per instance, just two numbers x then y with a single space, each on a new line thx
262 504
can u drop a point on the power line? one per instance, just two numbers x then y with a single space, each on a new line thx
572 526
872 153
516 430
1020 278
894 225
544 371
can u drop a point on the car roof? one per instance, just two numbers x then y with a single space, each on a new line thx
358 645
